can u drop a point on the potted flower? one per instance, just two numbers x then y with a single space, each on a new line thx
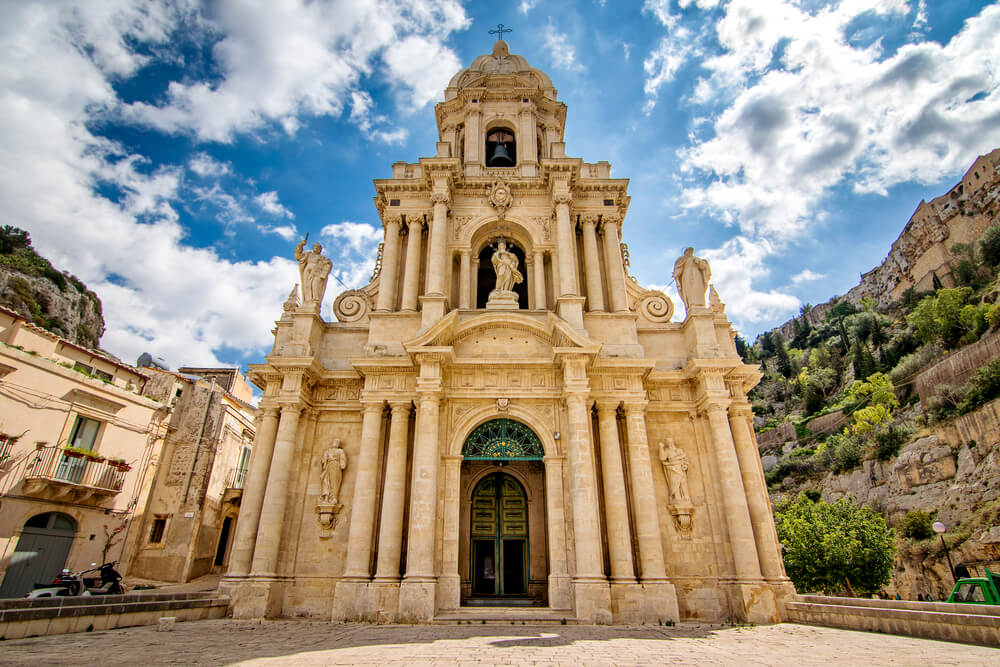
119 463
79 452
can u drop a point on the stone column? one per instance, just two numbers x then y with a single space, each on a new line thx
643 494
390 535
614 265
474 270
359 539
253 495
560 595
411 275
734 499
529 273
756 492
615 509
438 239
449 592
272 514
539 266
592 265
386 300
565 239
417 592
464 280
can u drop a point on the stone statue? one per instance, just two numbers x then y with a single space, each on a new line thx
314 269
332 466
505 265
692 275
675 465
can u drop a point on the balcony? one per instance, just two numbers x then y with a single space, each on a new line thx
54 474
235 481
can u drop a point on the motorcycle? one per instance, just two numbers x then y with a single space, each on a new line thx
72 584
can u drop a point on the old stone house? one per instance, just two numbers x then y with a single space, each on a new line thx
503 416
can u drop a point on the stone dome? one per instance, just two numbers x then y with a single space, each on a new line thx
500 61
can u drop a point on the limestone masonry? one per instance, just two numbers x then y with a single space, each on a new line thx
503 416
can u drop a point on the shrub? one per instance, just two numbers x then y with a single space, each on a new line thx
913 363
916 525
846 450
813 495
888 442
982 388
989 245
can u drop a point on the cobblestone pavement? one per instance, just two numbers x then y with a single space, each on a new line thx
307 642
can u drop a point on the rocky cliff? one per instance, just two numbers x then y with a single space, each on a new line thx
47 297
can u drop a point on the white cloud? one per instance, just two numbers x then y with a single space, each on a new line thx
287 232
268 202
362 115
356 246
562 53
280 62
179 302
206 166
661 65
527 5
229 209
807 275
736 265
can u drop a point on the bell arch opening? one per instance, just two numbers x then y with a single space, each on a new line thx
501 148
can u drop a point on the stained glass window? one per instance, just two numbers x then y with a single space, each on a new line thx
502 440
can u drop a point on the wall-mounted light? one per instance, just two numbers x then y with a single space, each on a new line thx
556 435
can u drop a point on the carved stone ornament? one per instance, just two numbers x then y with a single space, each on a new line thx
715 301
564 198
292 302
503 404
440 197
351 306
500 198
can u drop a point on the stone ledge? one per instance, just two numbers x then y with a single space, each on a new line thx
933 621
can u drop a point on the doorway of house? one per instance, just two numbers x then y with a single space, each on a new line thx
40 554
499 533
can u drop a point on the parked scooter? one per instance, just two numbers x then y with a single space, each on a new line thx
71 584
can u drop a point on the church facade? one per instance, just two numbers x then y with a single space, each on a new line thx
503 416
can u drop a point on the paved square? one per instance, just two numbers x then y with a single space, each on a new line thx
307 642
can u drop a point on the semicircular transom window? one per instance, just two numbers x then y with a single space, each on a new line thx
502 440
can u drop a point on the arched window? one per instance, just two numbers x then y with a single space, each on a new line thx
501 149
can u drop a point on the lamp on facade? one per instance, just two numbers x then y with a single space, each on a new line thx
940 529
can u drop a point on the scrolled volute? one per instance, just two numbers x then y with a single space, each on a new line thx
351 306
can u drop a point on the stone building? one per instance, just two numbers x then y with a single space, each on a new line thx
76 441
503 415
190 518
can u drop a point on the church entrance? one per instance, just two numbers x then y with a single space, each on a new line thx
499 537
503 544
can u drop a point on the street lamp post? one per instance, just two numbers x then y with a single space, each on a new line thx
940 528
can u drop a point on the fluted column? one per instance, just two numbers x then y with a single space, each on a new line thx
615 494
359 539
390 265
464 279
390 534
539 267
614 265
529 273
411 275
253 494
583 490
272 514
591 264
647 527
438 239
734 499
423 503
756 492
565 239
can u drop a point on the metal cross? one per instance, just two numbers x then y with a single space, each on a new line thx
500 31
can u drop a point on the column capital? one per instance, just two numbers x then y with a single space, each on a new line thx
635 406
401 405
588 220
740 409
563 198
465 252
372 406
607 404
392 220
269 411
415 221
440 197
291 408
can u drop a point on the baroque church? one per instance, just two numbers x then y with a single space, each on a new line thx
503 416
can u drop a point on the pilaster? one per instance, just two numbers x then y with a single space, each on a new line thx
386 300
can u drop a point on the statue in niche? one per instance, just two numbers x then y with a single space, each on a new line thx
332 465
505 265
314 269
692 275
675 465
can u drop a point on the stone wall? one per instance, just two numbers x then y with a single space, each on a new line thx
982 425
957 367
828 423
776 437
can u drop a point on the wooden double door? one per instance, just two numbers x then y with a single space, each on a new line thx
499 533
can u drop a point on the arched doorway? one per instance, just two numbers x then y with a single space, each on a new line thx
40 554
499 534
504 535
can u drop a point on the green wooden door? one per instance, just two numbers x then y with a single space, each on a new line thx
499 533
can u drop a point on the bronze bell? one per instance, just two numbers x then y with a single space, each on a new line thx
500 157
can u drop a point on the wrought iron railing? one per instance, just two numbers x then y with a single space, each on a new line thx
58 465
6 444
237 478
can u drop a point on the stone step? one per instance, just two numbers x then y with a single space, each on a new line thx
505 615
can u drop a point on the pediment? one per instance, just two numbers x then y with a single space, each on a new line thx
503 334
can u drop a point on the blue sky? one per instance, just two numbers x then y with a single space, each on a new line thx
171 154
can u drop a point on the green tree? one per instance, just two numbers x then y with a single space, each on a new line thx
878 391
12 238
916 525
989 245
941 317
832 547
864 362
781 352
